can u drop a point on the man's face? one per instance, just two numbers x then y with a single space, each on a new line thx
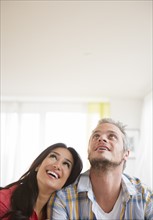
106 146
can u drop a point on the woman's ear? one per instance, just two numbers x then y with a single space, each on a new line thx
37 168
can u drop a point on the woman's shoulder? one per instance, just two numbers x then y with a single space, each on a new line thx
5 195
7 191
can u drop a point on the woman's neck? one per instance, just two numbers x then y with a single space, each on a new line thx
40 203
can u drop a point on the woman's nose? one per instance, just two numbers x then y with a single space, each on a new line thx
56 166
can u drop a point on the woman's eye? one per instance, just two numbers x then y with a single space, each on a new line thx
67 164
53 156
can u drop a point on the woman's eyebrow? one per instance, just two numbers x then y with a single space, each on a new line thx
60 155
68 161
55 153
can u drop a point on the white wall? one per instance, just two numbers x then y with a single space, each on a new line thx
128 111
36 57
137 114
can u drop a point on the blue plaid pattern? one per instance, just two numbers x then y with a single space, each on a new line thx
72 202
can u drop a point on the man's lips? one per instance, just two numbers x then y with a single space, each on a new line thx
102 148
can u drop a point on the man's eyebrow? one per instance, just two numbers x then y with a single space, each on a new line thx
95 131
111 131
60 155
108 131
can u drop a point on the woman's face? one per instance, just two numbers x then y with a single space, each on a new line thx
54 170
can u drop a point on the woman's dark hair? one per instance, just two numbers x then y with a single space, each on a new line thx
25 195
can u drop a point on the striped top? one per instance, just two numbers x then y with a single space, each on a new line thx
73 203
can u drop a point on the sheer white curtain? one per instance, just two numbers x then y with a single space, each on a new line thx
27 129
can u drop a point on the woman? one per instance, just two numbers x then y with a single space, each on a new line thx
26 199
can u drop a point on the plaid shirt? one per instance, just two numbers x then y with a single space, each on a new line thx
72 202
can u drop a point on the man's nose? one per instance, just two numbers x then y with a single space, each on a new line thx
102 138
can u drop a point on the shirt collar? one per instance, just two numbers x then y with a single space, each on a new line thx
128 188
84 183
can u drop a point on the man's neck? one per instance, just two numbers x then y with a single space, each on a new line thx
106 187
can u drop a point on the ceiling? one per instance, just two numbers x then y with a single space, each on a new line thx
76 49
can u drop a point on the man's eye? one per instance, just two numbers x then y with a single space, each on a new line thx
96 136
112 136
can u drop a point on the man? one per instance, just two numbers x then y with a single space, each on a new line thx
104 192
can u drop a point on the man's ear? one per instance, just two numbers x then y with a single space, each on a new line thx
126 155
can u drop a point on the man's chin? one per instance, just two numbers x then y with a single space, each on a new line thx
104 164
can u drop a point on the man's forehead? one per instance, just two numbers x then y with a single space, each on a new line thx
106 126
